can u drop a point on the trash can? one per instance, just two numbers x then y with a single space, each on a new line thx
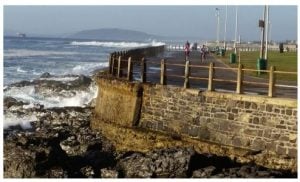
222 52
232 58
261 65
217 50
281 47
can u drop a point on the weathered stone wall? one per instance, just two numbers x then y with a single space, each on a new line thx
266 127
118 102
252 122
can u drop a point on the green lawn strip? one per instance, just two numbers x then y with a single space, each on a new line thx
286 61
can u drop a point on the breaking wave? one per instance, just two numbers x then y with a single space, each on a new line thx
29 53
117 44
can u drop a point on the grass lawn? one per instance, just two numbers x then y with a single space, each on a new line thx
286 61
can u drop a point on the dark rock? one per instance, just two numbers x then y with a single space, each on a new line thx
88 171
10 101
45 75
158 163
56 172
204 172
109 173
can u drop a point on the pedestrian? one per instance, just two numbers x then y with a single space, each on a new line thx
187 50
203 53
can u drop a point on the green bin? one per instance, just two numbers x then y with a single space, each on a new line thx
232 58
222 52
261 64
217 50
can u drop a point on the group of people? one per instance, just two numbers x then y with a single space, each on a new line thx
187 50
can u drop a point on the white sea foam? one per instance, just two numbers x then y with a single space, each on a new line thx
61 79
88 68
24 121
21 70
27 52
64 98
117 44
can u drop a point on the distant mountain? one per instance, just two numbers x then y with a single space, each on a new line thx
114 34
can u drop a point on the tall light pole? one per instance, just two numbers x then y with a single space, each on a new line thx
225 28
267 31
236 28
262 25
218 25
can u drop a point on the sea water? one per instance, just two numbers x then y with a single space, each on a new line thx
28 58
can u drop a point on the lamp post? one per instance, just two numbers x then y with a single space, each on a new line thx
267 32
262 60
225 28
236 28
218 24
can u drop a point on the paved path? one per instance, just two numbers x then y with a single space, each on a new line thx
225 74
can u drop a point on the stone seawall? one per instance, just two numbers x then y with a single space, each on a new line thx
118 102
252 122
265 127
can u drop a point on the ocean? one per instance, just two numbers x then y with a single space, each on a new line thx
26 59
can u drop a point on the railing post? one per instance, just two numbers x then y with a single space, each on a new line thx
162 72
119 67
113 64
239 82
210 77
110 63
271 82
186 75
129 70
143 70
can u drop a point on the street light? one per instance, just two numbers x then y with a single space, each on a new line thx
218 24
236 28
225 29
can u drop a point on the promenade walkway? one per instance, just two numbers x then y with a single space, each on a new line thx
175 76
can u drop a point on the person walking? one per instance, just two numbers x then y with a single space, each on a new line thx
203 53
187 51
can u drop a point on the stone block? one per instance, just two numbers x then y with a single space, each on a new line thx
235 111
230 116
253 105
262 107
267 133
293 137
292 153
271 146
193 131
281 126
204 133
256 120
294 112
258 144
221 115
247 105
281 150
288 112
252 132
269 108
276 110
284 138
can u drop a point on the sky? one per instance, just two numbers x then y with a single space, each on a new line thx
198 21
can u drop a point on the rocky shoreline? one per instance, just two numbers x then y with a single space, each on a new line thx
60 144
